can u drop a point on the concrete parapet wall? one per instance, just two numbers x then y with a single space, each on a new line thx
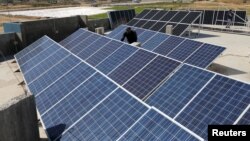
18 120
9 44
92 24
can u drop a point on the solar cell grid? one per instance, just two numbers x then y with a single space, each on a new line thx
45 65
220 102
150 14
153 42
245 120
109 120
180 29
132 22
204 55
154 126
191 17
132 65
142 14
158 26
179 89
57 90
77 40
148 24
77 103
140 23
149 77
168 45
116 58
179 16
104 52
159 15
145 36
184 50
72 37
116 31
168 16
92 48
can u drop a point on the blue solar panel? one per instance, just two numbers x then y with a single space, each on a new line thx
155 41
168 45
154 126
64 85
116 58
145 36
117 30
91 49
40 56
43 81
184 50
45 65
139 31
72 36
127 69
104 52
85 43
82 36
205 55
31 47
220 102
178 90
245 120
38 49
77 103
149 77
109 120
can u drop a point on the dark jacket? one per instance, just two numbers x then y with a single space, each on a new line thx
230 15
131 36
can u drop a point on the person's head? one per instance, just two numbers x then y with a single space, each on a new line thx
128 29
230 10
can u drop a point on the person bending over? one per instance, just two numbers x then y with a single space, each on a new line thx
130 34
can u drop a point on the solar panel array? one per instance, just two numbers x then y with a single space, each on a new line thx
157 20
119 17
181 49
81 103
219 17
85 103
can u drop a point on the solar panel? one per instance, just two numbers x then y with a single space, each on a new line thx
72 36
153 42
45 65
180 29
142 14
85 43
104 52
131 66
132 22
159 15
245 120
158 26
116 58
154 126
150 14
116 31
191 17
148 24
79 38
42 46
43 81
184 50
220 102
138 31
77 103
239 19
109 120
31 47
145 36
219 17
94 47
40 54
119 17
179 89
57 90
179 16
151 76
140 23
168 16
168 45
204 55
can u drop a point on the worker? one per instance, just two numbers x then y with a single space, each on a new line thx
230 15
130 34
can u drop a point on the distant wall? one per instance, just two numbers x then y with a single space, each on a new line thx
9 44
18 120
55 28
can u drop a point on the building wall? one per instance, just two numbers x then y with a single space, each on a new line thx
9 44
18 120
